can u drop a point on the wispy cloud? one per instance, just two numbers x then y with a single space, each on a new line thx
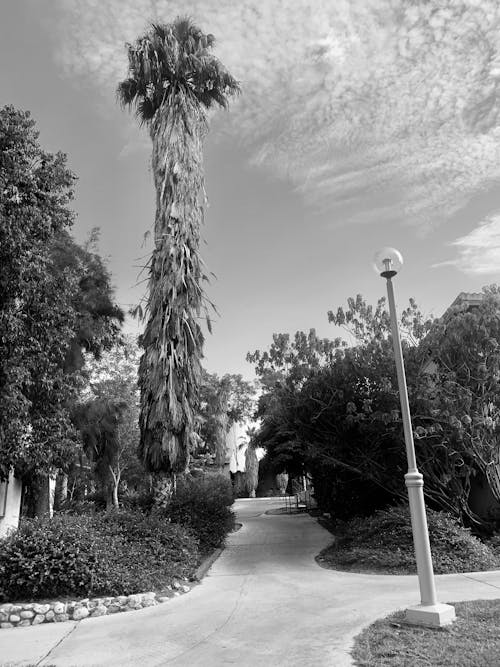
349 99
478 251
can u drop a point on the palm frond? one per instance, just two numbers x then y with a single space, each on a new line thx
174 56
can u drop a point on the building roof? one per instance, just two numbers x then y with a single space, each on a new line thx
469 299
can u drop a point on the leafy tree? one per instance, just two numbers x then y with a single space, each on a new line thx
108 418
55 298
99 318
173 79
463 388
292 360
342 422
223 402
37 321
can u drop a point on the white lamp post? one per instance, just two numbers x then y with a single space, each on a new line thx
388 261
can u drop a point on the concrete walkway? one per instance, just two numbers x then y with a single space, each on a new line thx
265 603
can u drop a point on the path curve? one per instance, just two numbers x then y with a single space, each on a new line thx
265 602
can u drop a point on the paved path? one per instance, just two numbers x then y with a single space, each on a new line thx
264 603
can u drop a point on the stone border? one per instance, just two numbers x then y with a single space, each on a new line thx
24 614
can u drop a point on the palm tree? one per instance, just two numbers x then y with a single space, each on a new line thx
173 79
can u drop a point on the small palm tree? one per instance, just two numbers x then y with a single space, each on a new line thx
173 79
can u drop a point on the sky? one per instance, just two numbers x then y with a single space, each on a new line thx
361 124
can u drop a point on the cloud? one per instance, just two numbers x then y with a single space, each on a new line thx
478 251
350 100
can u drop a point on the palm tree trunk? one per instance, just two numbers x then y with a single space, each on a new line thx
163 488
170 370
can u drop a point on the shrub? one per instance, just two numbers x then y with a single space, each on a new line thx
384 541
145 552
43 559
204 505
107 554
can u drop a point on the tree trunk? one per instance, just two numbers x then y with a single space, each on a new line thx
116 504
42 490
163 489
114 483
282 482
61 494
251 471
170 368
109 497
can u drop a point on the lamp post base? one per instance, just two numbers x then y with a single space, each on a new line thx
431 615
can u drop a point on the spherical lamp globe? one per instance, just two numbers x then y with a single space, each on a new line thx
387 262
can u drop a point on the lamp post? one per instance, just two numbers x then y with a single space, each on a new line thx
388 261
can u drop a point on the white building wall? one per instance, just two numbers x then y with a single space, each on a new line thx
10 504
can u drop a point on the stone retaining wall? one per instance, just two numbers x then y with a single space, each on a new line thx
18 615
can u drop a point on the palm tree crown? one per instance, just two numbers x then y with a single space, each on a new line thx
174 60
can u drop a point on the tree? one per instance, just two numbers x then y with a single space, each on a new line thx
343 424
223 402
108 418
251 470
55 299
173 79
37 321
291 361
99 319
341 421
464 388
98 421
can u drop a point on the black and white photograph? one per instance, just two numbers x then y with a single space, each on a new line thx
250 333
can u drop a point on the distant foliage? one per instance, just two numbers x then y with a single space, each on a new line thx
108 420
223 401
204 505
116 554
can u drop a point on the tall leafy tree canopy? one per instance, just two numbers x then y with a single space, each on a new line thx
173 79
99 318
55 299
37 321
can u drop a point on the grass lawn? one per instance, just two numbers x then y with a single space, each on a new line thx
473 640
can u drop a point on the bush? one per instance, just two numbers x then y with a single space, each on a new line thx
107 554
204 505
44 559
384 541
146 552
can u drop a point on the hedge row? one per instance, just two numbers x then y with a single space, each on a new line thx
116 553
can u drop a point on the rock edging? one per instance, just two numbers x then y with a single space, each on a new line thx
18 615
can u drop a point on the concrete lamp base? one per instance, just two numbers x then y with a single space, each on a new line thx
433 615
